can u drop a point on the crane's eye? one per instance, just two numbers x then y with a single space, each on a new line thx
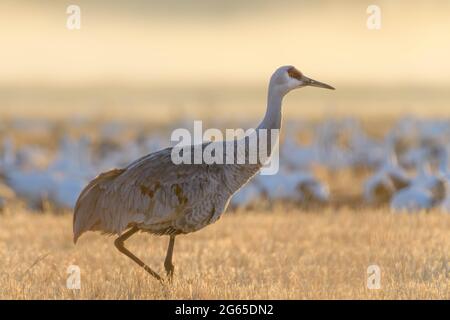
294 73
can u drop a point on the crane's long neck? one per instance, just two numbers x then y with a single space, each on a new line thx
272 118
272 121
272 124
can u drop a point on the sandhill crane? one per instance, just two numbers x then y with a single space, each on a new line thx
157 196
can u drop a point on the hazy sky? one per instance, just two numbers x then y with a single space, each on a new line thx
216 42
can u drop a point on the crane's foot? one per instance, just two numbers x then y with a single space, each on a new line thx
153 273
170 268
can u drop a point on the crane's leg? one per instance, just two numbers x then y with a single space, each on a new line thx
119 243
168 261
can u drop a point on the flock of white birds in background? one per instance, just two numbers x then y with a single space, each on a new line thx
410 165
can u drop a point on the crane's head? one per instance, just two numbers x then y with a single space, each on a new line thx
288 78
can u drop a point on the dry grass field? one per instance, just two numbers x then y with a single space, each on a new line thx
284 254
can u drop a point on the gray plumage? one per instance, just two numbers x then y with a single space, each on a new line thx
159 196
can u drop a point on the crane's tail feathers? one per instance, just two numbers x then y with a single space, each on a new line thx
86 213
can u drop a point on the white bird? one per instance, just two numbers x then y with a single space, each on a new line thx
31 185
424 192
311 189
69 172
7 157
444 206
297 185
412 199
386 181
60 182
295 156
445 176
157 196
282 186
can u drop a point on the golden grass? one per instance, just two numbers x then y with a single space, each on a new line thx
286 254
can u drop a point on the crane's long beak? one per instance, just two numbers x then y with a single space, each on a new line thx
314 83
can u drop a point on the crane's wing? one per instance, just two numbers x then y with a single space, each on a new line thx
152 190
